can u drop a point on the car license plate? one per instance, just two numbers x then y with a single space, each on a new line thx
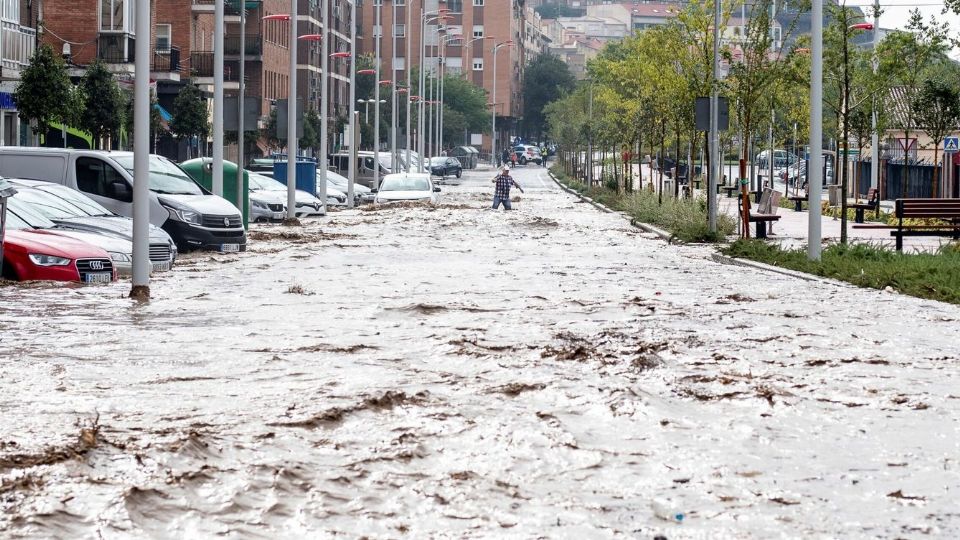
161 266
229 248
98 277
279 216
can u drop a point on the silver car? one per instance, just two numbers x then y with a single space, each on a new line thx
307 204
71 210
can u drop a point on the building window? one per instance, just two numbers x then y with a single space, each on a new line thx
114 16
399 30
400 2
455 6
478 30
164 38
399 64
478 64
478 3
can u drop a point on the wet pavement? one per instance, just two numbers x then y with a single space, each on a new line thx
456 372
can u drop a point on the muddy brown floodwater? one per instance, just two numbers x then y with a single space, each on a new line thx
462 373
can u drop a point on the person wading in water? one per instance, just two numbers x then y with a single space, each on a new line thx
501 193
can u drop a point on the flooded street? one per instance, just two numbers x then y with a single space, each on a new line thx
456 372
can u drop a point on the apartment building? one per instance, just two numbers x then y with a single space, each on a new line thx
480 24
18 39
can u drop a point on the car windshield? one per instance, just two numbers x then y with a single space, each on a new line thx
336 179
14 222
48 205
258 182
438 160
74 198
165 177
31 217
405 183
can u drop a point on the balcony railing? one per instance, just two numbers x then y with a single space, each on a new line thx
116 48
201 65
230 7
19 43
253 45
166 60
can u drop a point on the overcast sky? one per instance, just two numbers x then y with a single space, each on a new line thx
896 13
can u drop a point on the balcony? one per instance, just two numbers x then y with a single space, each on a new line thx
201 66
116 48
18 46
231 8
253 45
166 64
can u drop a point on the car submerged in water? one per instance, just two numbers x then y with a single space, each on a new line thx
407 187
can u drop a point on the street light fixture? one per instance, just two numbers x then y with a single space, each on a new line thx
427 16
291 110
322 161
493 113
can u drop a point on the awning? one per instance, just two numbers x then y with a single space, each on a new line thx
165 116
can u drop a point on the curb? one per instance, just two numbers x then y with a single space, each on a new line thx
723 259
716 257
664 235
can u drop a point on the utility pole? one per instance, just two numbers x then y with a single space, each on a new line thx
874 136
218 29
354 113
815 171
324 90
292 116
714 125
376 105
240 103
590 139
395 157
141 157
407 64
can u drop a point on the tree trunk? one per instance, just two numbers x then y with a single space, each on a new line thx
936 169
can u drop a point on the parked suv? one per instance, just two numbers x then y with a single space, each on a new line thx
193 216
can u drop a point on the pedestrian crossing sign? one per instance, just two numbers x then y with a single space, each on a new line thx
951 145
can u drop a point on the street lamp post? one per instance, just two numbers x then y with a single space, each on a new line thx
814 170
353 104
324 112
493 114
435 15
291 109
376 105
394 157
218 29
140 288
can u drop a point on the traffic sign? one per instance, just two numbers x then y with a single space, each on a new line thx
951 145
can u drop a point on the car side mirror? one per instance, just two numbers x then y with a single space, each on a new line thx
373 190
121 192
436 190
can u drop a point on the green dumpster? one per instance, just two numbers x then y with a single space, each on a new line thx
201 170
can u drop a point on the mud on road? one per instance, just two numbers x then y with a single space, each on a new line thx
462 373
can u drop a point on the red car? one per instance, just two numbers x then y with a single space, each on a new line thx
37 255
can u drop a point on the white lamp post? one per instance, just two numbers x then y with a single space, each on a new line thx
493 114
141 164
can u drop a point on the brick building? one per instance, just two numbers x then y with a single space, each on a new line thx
17 43
481 23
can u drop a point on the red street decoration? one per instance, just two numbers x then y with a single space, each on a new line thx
311 37
861 26
366 71
277 17
340 55
386 81
401 90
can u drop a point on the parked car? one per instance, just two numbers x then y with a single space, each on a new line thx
192 215
365 166
526 153
361 193
307 204
781 159
445 166
407 187
118 251
798 171
39 255
265 204
71 209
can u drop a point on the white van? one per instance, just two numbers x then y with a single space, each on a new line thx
193 217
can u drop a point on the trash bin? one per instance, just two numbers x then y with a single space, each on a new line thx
201 170
306 175
833 194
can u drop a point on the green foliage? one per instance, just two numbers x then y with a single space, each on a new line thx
44 93
938 108
924 275
312 130
104 105
470 102
685 219
189 114
156 125
545 80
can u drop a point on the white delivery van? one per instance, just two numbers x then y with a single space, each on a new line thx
193 217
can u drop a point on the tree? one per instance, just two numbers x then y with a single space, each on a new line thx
156 122
938 113
906 57
470 102
312 129
189 114
546 79
103 111
44 93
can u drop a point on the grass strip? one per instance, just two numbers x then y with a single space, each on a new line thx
934 276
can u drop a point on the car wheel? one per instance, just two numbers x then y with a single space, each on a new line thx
459 173
523 161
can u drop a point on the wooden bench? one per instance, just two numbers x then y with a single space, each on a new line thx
944 209
766 211
873 203
797 201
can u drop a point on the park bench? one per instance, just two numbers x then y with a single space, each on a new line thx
946 210
766 211
873 203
